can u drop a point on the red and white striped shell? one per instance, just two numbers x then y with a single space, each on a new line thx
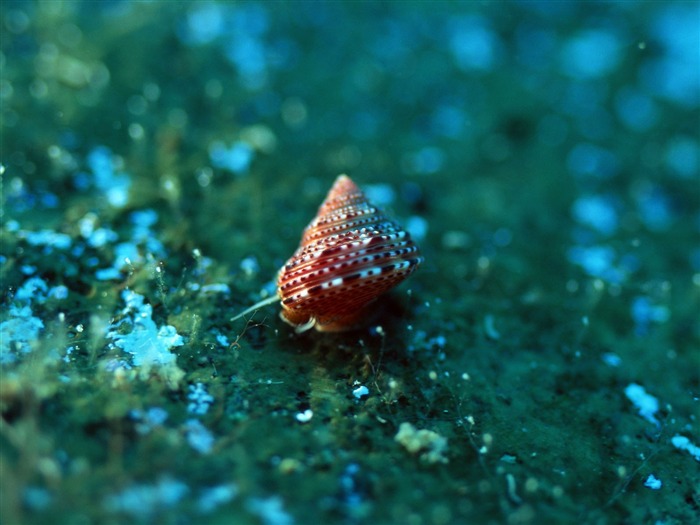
349 255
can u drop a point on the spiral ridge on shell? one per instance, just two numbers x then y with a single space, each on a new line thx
349 255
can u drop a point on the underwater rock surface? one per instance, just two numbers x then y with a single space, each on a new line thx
158 162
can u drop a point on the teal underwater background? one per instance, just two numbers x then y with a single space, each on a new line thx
159 161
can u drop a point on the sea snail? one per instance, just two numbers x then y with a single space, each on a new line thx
349 255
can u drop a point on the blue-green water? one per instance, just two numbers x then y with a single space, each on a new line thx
159 161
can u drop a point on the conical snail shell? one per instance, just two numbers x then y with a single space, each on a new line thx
349 255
